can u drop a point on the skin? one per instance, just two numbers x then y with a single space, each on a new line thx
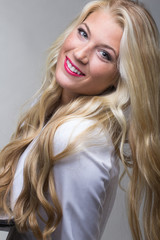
93 48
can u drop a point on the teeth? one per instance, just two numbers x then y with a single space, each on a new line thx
73 69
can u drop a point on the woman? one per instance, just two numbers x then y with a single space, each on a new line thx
59 173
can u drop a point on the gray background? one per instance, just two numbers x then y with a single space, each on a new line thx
27 29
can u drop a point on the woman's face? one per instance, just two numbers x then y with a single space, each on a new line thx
87 61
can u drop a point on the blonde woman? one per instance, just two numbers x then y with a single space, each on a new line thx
59 173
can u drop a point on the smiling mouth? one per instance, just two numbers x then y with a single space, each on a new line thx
72 69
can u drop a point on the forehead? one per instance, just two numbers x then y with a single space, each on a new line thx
103 18
104 28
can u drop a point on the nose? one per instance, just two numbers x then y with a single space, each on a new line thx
82 54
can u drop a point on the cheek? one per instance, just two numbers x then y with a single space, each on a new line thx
69 42
104 71
64 48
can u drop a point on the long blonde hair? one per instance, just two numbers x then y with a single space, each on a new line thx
137 93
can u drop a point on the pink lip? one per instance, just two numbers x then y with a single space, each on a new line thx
69 71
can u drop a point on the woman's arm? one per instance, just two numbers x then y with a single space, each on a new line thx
86 184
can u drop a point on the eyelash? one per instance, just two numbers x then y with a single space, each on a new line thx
83 34
80 31
107 56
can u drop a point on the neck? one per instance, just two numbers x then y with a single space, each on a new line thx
67 97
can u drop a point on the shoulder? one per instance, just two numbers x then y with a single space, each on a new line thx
94 147
75 129
77 125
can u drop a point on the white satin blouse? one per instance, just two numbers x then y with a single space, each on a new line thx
86 184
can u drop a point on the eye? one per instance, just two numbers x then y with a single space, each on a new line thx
106 55
82 32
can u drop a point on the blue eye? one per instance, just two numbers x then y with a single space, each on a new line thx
82 32
106 55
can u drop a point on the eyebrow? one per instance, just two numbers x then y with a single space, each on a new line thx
104 45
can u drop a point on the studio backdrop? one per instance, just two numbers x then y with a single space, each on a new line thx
27 29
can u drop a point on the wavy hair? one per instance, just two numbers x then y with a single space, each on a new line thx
130 113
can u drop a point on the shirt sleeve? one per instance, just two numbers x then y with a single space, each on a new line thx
86 184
